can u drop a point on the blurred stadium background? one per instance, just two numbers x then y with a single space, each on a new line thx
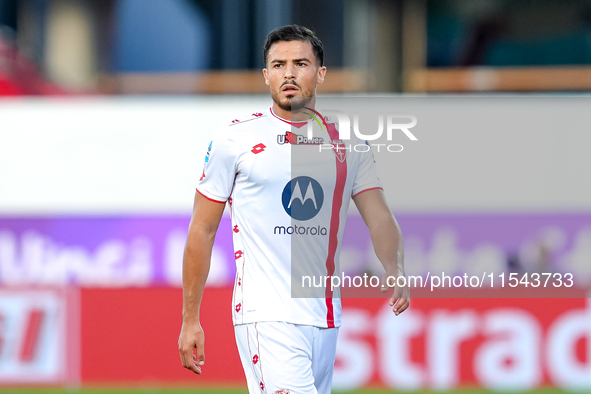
106 109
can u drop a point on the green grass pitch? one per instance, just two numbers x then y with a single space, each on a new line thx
197 390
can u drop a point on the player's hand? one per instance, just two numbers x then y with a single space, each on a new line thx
190 345
400 300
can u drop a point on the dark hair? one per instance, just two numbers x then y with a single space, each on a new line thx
294 33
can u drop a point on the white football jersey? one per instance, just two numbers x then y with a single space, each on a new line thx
289 197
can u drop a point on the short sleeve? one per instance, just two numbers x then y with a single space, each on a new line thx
366 177
219 170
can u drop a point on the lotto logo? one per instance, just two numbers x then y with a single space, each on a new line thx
236 229
255 359
238 254
258 148
238 307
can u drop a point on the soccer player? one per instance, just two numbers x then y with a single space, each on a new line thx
280 213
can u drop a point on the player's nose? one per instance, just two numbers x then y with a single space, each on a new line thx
289 71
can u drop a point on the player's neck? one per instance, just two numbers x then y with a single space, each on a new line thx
292 116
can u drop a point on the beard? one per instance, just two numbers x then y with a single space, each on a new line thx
291 103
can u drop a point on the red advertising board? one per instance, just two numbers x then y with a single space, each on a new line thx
130 335
39 340
499 344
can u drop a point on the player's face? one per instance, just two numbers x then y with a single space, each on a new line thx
292 71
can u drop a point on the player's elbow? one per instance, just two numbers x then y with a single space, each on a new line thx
201 232
383 224
203 226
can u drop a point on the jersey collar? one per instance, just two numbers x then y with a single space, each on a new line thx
295 124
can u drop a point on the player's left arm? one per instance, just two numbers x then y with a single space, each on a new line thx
386 238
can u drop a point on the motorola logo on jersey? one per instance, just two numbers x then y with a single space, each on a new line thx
302 198
300 230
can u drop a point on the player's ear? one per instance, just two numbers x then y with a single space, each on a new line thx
266 77
321 74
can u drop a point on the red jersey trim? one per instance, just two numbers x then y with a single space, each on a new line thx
366 190
260 362
333 240
296 124
210 199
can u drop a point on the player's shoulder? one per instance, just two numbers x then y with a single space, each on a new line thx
239 130
236 126
244 120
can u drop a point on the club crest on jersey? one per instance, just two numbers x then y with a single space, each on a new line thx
302 198
297 139
339 149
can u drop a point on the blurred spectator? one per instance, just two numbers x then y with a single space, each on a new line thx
19 75
508 33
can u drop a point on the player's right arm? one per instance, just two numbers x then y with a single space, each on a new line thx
202 229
